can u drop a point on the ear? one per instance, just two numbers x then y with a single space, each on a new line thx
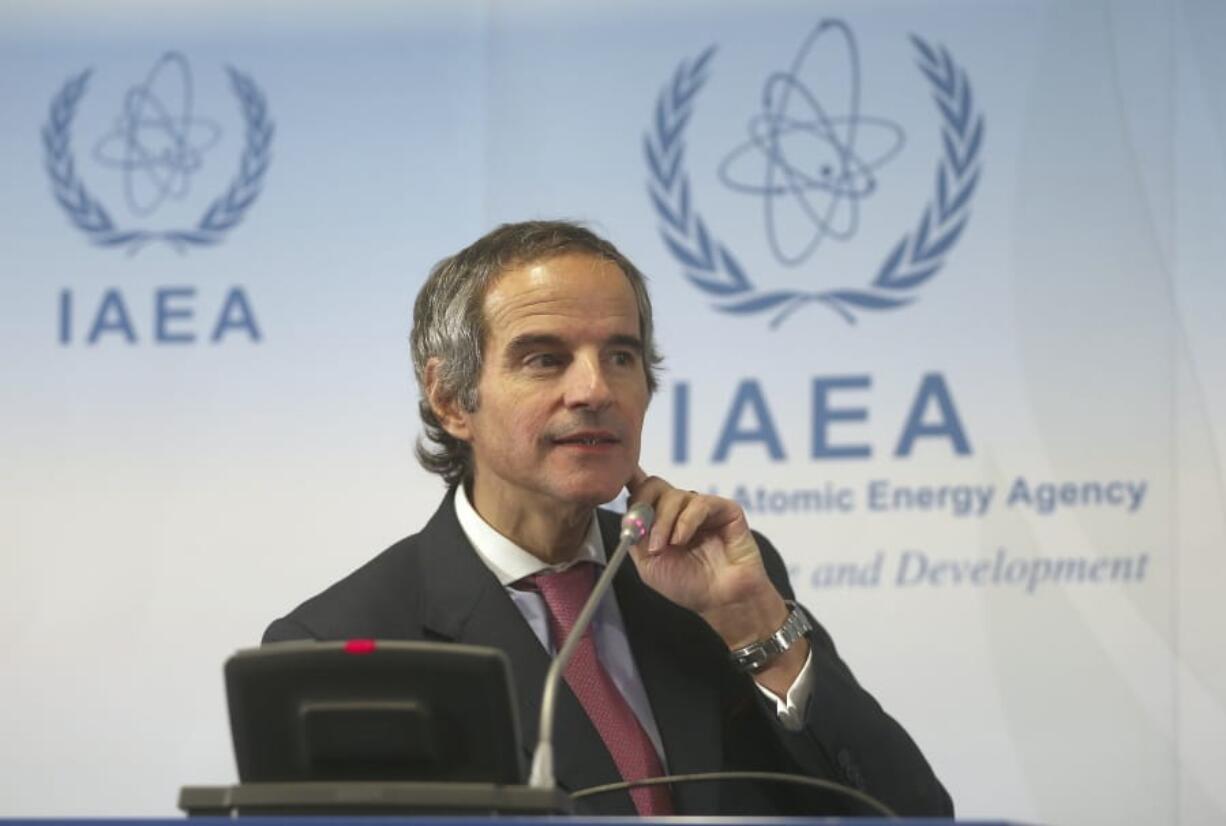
451 415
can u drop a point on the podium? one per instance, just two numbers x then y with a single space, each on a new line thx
521 821
357 798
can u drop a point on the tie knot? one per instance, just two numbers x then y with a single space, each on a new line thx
565 592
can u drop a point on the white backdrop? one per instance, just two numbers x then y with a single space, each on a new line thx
993 460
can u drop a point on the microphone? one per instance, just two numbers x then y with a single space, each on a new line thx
635 525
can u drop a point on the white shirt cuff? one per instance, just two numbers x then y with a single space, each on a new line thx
791 709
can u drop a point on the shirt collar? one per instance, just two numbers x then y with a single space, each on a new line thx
509 562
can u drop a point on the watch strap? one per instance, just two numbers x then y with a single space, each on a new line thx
757 655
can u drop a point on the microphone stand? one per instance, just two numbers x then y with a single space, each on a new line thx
635 525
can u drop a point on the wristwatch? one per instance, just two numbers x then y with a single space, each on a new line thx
757 655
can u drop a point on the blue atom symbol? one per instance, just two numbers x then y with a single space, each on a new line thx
156 142
803 161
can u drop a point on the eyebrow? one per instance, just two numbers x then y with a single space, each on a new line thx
536 341
629 342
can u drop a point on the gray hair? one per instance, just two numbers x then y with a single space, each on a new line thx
449 323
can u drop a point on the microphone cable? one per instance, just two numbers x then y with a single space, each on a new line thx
770 777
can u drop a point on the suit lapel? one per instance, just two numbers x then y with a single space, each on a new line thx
669 644
464 603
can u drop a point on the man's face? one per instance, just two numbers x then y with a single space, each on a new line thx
563 390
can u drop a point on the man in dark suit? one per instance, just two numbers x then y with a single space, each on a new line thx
534 352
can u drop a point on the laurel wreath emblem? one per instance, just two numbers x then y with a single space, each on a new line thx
223 214
916 258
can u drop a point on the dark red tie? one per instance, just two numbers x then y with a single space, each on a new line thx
623 735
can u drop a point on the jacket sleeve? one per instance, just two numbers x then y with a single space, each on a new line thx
847 734
287 629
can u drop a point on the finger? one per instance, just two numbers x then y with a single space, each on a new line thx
648 491
668 507
693 516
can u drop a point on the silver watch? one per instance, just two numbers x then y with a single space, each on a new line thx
757 655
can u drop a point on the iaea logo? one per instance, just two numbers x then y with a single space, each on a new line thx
810 164
156 145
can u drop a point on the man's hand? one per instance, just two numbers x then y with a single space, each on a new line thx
701 555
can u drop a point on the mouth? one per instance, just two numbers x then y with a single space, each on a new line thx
592 440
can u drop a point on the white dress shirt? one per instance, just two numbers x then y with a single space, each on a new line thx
511 563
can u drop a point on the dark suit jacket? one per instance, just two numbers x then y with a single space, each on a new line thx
433 586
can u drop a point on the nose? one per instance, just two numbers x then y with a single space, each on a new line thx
587 386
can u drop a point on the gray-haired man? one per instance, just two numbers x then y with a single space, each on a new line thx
534 353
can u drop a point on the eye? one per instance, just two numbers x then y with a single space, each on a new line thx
625 358
543 361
